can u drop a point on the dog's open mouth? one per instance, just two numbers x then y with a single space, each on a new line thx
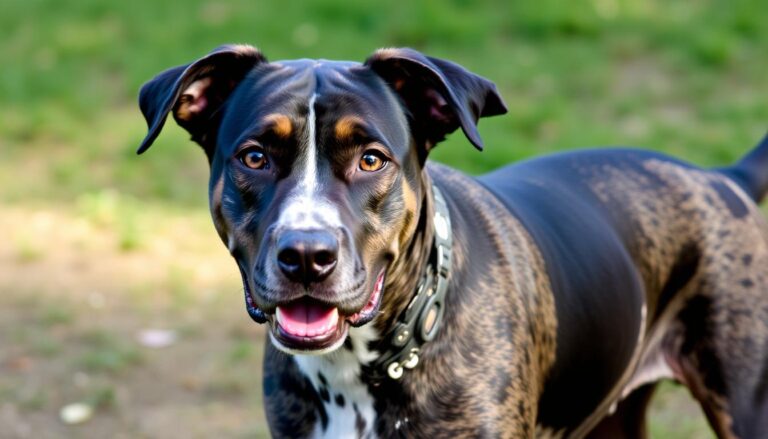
307 324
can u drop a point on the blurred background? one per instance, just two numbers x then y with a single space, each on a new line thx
115 293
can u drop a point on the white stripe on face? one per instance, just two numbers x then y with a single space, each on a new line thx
309 179
303 208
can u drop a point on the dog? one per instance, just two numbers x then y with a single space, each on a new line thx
405 299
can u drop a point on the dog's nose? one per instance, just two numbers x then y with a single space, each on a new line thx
307 256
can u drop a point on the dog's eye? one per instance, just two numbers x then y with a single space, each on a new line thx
372 161
253 158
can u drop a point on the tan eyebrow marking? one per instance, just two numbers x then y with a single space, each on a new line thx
280 123
346 126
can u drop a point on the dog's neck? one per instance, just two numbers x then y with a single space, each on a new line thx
406 270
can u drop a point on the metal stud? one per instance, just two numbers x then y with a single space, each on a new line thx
441 226
412 361
395 371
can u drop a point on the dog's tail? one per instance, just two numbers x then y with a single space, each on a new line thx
751 172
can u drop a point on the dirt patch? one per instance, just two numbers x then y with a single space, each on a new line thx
73 301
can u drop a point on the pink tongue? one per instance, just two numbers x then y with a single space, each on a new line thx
304 319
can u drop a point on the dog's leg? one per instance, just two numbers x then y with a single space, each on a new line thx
721 346
628 421
724 363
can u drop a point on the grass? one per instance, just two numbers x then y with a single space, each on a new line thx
685 78
89 220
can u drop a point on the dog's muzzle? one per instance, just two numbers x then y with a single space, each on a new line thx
305 310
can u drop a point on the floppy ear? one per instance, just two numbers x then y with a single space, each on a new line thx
194 92
439 95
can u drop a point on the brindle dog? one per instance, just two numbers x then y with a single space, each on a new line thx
578 280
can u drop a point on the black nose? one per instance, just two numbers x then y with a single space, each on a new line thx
307 256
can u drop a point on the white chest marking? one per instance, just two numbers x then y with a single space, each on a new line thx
336 378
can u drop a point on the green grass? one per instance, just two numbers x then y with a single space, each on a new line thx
686 78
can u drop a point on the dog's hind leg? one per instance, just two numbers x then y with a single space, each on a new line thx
723 360
720 343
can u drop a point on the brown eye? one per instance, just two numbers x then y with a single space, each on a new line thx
253 158
372 161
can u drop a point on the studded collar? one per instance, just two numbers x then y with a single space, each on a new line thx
421 320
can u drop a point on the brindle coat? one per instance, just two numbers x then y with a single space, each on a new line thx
579 280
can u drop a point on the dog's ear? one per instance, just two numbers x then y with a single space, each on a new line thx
439 95
194 92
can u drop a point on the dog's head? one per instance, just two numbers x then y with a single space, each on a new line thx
316 171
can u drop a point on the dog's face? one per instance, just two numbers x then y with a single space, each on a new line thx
316 172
